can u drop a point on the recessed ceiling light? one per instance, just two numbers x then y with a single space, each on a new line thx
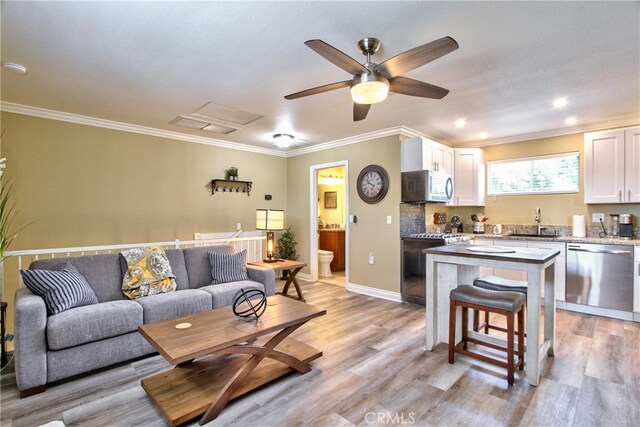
16 68
483 135
560 102
460 123
571 121
283 140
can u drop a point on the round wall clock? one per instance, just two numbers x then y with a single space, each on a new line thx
372 184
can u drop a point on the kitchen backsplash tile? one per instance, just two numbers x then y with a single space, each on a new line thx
412 219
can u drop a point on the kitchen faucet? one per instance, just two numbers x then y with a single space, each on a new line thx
538 219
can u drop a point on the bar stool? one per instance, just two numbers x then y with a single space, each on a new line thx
495 283
505 303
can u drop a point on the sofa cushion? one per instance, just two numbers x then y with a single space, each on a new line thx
178 267
222 293
199 266
228 267
61 289
174 304
101 271
86 324
148 273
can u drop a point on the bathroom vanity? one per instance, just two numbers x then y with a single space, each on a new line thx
332 239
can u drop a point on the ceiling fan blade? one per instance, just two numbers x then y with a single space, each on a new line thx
337 57
360 111
319 89
407 86
416 57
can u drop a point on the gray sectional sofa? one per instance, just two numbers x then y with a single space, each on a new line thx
79 340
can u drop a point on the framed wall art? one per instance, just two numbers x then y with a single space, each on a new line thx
330 199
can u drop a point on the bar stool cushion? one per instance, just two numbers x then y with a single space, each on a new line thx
502 300
495 283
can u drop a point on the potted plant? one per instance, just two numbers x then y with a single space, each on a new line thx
286 248
231 174
7 214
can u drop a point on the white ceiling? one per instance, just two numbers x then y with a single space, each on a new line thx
145 63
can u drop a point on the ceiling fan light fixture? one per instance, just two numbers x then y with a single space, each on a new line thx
369 88
283 140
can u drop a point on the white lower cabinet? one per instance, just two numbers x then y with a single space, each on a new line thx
560 266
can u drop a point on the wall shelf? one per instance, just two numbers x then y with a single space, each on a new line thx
230 186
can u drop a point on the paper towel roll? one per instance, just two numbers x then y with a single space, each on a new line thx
579 229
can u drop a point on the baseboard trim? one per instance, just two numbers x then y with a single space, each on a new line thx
374 292
304 276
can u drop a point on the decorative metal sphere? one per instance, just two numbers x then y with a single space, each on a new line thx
249 305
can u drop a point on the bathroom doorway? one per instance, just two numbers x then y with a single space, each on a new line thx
329 220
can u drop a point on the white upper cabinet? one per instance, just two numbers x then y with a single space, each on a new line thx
632 164
425 154
469 177
612 166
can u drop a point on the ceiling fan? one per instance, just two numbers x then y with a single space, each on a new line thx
371 82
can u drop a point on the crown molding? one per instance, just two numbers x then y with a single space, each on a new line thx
398 130
10 107
44 113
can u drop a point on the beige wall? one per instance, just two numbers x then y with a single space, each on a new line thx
83 186
371 234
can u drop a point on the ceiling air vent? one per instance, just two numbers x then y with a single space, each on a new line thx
205 125
219 113
216 118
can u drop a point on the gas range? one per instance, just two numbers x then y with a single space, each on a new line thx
413 284
444 238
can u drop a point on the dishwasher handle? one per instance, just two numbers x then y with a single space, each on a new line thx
599 251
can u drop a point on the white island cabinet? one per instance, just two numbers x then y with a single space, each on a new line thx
441 279
636 285
612 166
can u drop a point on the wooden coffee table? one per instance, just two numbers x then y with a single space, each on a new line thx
240 356
292 268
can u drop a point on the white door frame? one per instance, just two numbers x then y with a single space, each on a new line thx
313 217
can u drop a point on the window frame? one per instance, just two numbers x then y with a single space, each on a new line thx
531 159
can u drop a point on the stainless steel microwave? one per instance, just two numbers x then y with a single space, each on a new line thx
426 186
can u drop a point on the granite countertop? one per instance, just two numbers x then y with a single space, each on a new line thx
562 239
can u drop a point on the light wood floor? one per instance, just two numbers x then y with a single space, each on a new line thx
375 371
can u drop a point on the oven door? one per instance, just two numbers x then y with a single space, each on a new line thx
413 286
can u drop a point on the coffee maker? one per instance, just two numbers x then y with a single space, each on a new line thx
626 226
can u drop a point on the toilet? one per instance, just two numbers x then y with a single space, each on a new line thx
324 262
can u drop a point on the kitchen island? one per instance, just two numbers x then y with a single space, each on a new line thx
454 265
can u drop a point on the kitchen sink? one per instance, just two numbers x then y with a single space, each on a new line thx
546 236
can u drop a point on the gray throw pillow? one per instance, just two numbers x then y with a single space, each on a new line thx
61 289
228 267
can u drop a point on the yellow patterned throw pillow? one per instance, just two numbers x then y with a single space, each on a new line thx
148 273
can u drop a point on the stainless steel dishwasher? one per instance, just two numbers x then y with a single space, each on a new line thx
600 279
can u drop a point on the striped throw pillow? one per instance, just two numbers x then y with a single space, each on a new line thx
228 267
61 289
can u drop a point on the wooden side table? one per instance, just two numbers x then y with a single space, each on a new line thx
292 268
